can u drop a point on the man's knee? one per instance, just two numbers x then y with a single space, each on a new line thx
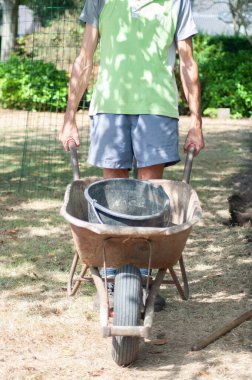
115 173
151 172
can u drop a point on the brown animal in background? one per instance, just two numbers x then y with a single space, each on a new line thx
240 210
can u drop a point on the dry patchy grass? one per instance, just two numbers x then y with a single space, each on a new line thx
45 335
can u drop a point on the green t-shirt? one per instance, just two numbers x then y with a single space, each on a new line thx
137 55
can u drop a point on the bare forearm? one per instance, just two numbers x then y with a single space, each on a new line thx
191 86
81 72
190 81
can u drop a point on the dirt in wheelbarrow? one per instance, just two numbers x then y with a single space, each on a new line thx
46 335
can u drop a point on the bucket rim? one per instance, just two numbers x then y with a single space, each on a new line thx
93 202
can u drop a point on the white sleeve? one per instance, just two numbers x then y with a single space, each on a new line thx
185 24
90 13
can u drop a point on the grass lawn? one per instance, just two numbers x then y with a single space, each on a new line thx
45 335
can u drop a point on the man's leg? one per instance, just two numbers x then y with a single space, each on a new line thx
146 173
110 174
151 172
115 173
110 149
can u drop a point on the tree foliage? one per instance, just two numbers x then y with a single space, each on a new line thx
240 14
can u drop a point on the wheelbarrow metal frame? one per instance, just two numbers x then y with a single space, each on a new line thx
107 231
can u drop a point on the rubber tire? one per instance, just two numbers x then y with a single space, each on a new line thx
127 312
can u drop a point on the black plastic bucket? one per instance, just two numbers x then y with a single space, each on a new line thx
130 202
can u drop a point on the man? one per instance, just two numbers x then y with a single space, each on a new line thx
134 108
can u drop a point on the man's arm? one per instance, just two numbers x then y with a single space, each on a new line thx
190 81
81 71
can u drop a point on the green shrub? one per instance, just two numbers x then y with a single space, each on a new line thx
225 74
211 112
226 82
32 85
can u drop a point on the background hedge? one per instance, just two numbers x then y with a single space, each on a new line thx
27 84
224 66
225 74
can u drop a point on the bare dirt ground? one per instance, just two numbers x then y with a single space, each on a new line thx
45 335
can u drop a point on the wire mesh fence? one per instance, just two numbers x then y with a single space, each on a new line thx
32 160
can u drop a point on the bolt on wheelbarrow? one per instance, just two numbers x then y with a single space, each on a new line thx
128 249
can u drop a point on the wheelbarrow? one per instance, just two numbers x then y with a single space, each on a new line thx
129 248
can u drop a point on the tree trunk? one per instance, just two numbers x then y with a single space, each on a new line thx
9 27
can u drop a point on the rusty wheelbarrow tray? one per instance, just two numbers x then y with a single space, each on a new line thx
100 245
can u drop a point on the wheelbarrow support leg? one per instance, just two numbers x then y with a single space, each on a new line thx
103 298
183 292
149 309
72 289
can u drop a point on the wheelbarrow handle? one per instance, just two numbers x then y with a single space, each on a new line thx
76 170
74 160
188 164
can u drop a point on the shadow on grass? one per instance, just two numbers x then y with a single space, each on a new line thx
216 171
40 167
37 257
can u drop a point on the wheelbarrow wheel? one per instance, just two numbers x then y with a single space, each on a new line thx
127 312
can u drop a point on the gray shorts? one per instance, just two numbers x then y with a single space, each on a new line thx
115 139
